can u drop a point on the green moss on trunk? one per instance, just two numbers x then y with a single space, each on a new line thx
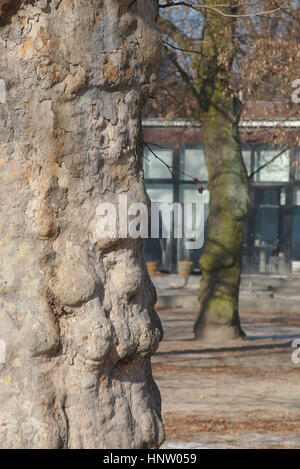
219 114
221 261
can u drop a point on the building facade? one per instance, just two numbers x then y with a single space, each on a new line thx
272 237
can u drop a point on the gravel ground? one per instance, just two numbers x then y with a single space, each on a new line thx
242 394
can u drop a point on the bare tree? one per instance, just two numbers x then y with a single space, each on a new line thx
221 53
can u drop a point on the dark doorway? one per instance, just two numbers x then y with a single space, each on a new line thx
265 237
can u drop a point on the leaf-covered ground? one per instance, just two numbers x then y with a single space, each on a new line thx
243 394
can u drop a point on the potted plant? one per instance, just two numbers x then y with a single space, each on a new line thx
152 267
257 239
185 268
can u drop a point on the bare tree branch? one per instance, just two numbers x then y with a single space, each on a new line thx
170 167
220 12
183 73
269 162
182 50
170 29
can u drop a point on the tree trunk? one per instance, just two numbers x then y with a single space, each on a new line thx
219 114
218 319
76 312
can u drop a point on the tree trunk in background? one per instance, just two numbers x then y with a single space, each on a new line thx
218 319
76 312
219 114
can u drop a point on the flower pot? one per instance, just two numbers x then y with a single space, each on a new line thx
185 268
152 267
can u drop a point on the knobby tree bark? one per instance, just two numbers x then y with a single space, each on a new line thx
76 312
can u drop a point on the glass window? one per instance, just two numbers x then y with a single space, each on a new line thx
160 192
160 249
247 159
296 225
153 167
192 163
297 163
296 197
269 229
189 193
267 202
277 171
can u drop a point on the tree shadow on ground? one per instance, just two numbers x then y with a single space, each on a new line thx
241 348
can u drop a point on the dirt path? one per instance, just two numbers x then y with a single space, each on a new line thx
242 395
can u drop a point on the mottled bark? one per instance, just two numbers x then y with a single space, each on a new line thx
76 312
218 319
219 114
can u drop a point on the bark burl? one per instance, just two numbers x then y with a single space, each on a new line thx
76 312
